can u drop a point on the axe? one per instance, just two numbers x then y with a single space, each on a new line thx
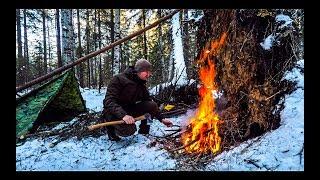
146 116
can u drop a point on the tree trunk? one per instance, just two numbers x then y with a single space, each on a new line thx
94 60
49 47
116 66
100 69
26 52
185 41
145 48
20 58
123 64
108 59
80 53
67 36
112 40
39 67
249 76
88 47
179 73
162 75
58 39
45 66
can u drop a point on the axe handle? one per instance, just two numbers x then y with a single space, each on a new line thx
92 127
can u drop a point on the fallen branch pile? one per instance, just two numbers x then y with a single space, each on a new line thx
185 161
75 128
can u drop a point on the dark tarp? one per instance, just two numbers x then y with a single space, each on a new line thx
57 100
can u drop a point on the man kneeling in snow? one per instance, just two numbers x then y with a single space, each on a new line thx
128 97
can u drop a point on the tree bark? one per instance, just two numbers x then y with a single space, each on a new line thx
45 66
145 48
94 60
112 39
88 47
116 66
80 53
67 36
26 52
49 48
185 41
20 58
162 75
58 39
100 66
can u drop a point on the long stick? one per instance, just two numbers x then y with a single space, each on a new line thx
68 66
92 127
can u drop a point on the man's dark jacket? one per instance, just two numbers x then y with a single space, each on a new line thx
125 89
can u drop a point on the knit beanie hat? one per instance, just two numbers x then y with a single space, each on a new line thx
142 65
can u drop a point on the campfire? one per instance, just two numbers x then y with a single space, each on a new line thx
202 133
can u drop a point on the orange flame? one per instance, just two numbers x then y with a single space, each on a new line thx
204 136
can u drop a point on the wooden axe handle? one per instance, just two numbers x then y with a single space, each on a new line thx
92 127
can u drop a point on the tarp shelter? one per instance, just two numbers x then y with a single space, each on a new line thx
57 100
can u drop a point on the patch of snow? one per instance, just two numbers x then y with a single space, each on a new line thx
64 124
191 81
23 92
295 75
192 16
270 40
267 43
284 18
93 98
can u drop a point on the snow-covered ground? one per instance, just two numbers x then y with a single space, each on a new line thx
93 98
278 150
134 153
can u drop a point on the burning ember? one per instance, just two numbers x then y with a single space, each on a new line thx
204 136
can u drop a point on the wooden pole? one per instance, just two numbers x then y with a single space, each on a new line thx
92 127
82 59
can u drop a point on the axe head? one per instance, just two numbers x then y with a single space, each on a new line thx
148 118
